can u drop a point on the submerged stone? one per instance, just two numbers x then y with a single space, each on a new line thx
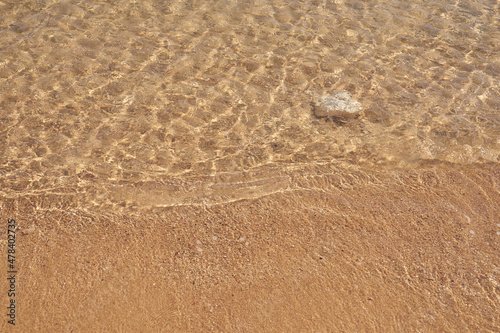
338 105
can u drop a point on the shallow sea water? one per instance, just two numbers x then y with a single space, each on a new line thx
155 104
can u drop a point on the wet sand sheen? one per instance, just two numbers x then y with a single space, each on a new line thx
414 250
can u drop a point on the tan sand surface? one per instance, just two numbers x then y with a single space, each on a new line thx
386 251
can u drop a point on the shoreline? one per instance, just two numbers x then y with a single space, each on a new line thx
356 257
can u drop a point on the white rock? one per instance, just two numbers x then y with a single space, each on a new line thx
338 105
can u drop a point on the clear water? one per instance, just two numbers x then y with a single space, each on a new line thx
155 103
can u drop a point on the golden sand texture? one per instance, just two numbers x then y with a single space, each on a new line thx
418 253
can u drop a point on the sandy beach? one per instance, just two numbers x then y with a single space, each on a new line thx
250 166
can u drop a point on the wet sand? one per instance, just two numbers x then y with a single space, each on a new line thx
392 251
